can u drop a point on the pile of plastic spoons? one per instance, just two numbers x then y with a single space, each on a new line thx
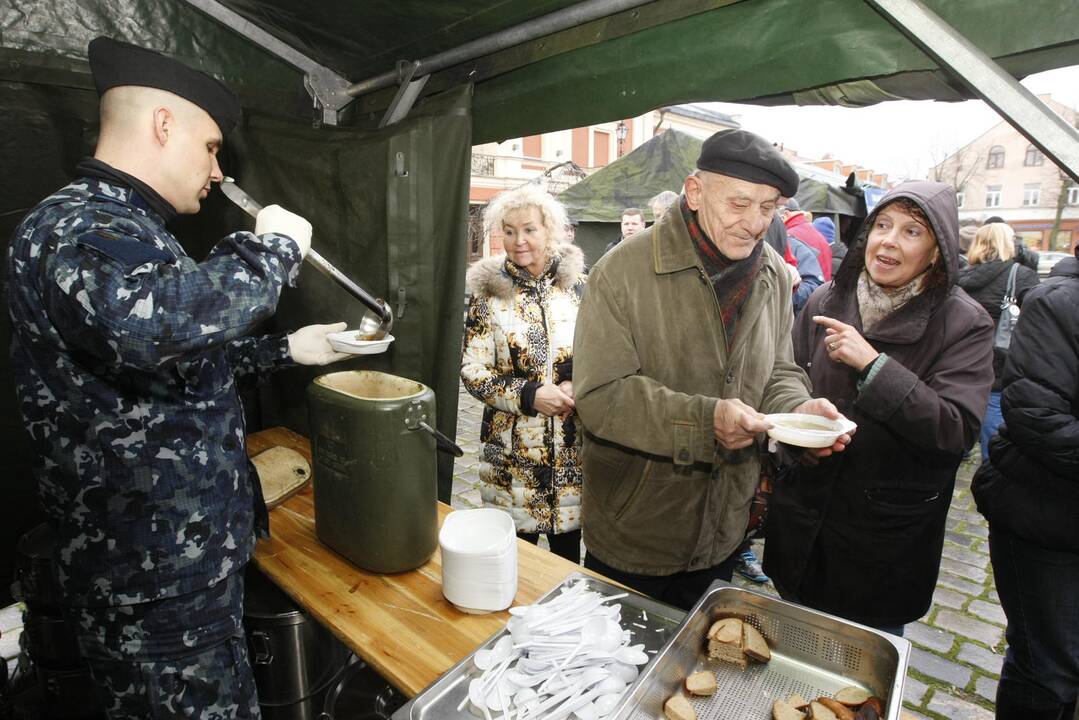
567 658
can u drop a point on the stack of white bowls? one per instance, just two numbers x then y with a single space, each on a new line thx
479 560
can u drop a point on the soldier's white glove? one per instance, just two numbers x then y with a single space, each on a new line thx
309 346
278 220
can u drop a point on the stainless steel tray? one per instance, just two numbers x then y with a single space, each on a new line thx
651 623
813 654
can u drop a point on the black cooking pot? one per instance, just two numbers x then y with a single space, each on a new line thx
294 659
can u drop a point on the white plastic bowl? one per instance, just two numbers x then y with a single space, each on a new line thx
346 342
479 559
809 431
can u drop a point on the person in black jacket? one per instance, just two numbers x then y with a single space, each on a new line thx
1029 493
991 258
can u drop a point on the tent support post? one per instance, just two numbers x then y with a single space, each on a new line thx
1047 130
326 87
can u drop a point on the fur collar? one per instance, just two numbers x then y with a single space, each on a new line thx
488 277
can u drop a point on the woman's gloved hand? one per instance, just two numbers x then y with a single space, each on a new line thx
276 219
309 346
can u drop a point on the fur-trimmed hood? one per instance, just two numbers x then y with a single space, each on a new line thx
490 277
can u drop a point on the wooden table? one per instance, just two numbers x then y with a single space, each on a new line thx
399 624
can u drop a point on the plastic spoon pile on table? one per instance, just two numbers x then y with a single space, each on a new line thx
567 656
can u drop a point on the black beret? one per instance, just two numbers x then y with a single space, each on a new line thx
746 156
114 63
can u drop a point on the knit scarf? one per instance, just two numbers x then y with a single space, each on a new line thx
732 280
876 303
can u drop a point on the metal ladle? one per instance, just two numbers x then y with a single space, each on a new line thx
376 322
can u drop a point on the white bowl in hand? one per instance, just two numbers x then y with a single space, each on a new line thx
347 341
808 431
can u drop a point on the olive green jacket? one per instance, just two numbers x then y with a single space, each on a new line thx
650 362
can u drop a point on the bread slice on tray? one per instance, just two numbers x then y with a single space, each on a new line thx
725 642
753 644
678 707
701 683
785 711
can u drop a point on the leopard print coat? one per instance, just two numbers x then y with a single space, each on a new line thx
519 335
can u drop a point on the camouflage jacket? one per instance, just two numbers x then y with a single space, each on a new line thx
128 359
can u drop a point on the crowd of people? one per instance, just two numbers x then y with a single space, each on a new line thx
688 332
625 406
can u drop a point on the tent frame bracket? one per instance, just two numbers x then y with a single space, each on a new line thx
326 87
407 92
1022 109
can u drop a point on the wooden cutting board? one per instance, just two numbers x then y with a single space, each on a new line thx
282 472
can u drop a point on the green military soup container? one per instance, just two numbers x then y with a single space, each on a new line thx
376 487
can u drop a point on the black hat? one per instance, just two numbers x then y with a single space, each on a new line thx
746 156
114 63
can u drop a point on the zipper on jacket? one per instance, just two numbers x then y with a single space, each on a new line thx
549 373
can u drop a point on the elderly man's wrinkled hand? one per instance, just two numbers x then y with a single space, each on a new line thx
823 407
736 424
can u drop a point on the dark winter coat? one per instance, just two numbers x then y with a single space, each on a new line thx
987 282
1030 486
860 535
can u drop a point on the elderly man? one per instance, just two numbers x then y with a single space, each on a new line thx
661 203
128 359
683 341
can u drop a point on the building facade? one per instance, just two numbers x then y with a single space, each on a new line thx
563 157
1000 173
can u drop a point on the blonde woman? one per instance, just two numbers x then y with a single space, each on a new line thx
991 257
518 359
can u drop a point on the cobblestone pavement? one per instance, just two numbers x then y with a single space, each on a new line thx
958 646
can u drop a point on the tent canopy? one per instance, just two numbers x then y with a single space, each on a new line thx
659 53
661 164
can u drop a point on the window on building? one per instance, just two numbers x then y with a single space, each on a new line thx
1032 194
1073 195
959 198
992 196
996 157
1034 156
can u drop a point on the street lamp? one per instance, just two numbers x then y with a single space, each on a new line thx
620 132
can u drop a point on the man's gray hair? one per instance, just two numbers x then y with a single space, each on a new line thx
662 200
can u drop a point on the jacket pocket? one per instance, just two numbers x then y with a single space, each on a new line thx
628 497
900 501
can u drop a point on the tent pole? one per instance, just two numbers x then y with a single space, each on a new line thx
1021 108
328 90
559 20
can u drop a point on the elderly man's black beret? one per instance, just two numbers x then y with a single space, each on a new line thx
114 63
746 156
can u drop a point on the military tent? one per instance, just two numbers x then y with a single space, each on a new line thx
662 163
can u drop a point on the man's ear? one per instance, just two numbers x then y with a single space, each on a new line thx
694 188
164 124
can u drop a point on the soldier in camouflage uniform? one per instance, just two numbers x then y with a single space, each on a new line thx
129 357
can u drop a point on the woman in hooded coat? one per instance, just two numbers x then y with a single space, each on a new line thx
907 355
518 360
